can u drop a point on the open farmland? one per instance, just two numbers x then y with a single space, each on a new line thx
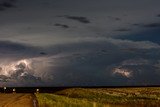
113 97
86 97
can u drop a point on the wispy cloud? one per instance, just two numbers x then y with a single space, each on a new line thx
123 30
152 25
81 19
61 25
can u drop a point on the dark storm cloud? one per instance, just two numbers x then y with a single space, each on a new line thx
3 78
10 53
27 80
18 50
158 15
136 24
150 35
12 46
84 68
141 70
150 25
4 4
61 25
92 64
87 63
123 30
81 19
43 53
115 18
81 56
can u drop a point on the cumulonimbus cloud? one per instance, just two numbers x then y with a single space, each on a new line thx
90 62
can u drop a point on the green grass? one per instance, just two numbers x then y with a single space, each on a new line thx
114 95
76 97
52 100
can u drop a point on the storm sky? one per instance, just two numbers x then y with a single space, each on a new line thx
79 42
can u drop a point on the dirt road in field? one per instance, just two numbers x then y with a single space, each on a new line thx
18 100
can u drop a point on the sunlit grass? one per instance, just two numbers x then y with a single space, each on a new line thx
114 95
97 97
52 100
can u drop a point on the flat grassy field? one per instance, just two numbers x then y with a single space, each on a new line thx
52 100
97 97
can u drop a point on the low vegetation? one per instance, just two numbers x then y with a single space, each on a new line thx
88 97
52 100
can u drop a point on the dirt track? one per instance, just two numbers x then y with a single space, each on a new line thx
18 100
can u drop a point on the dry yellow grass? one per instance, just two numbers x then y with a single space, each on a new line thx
16 100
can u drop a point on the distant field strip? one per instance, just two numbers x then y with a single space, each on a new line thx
115 95
97 97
